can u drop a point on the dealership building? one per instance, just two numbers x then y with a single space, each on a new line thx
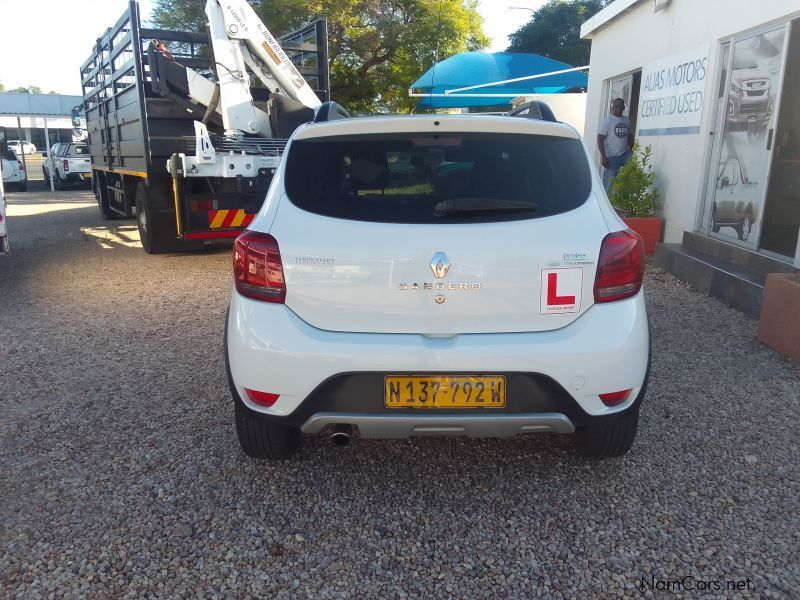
714 88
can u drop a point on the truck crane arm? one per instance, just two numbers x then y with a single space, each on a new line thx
240 41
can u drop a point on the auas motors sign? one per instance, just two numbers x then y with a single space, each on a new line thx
671 97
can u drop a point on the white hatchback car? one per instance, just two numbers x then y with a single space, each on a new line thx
14 175
21 146
489 290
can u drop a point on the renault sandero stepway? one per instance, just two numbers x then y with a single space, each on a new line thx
486 289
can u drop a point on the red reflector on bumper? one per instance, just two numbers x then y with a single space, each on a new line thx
614 398
262 398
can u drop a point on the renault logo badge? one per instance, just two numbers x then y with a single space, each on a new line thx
440 265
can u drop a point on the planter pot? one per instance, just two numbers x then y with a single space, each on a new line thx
779 327
649 228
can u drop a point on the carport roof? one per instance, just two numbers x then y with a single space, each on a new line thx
38 105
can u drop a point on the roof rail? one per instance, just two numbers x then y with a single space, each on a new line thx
535 109
329 111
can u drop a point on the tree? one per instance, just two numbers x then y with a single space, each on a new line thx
377 48
554 31
2 87
28 89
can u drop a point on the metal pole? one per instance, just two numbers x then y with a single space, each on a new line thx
49 158
22 146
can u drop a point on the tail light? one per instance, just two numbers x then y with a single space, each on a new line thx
257 267
66 166
21 167
620 268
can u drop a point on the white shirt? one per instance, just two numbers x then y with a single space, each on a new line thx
616 131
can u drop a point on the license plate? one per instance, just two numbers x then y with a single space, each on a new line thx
86 175
444 391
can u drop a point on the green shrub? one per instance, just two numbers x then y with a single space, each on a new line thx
632 189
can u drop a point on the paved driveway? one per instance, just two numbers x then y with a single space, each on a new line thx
120 473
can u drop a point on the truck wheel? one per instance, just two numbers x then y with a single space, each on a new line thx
156 231
101 195
609 437
57 181
259 438
23 186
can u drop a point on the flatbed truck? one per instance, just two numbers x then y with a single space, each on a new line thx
179 137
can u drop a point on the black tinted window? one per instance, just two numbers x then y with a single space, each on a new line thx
9 155
438 178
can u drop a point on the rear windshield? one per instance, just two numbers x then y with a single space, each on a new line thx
9 155
434 178
78 151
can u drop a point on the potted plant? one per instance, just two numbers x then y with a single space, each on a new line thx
633 195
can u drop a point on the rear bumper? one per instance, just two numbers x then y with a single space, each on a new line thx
385 426
554 377
77 176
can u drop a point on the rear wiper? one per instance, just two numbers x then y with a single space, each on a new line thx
461 205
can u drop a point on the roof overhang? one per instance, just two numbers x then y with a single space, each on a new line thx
38 105
611 12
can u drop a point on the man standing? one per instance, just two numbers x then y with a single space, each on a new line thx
614 140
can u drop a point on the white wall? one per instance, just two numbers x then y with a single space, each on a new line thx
568 108
639 36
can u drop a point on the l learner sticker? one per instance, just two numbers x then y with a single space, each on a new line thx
561 291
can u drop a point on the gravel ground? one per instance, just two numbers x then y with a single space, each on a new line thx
120 473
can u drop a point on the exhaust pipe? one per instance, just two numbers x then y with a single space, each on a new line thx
341 434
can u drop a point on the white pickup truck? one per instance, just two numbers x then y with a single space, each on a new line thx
69 162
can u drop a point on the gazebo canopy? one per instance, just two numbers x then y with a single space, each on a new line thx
476 68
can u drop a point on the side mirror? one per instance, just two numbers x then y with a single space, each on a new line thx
3 142
44 154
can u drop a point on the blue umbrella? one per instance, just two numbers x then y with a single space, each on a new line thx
475 68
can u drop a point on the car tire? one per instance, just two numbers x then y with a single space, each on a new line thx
610 437
57 182
101 195
262 439
23 186
156 232
743 229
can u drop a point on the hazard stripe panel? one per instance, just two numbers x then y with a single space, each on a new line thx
222 219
